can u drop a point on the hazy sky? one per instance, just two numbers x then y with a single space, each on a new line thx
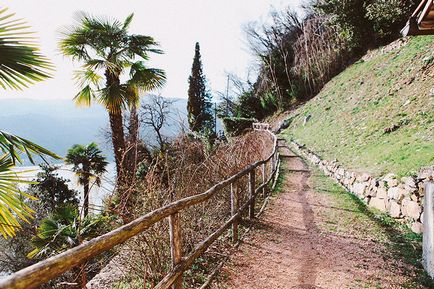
175 24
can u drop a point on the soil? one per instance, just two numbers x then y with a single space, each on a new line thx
291 247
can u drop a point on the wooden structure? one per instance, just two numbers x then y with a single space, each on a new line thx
261 126
421 21
44 271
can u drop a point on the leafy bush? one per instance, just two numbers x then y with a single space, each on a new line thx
389 16
269 103
248 106
236 125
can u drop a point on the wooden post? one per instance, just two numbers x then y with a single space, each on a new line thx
234 208
175 245
251 194
264 189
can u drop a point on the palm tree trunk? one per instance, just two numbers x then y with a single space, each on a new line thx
133 131
134 124
118 140
86 198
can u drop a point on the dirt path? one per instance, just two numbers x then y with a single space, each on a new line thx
308 239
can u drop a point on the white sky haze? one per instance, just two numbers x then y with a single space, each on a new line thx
176 25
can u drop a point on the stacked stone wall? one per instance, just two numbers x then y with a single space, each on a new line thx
400 197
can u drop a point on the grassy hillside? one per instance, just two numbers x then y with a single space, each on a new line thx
378 115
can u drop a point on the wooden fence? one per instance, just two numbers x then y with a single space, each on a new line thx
44 271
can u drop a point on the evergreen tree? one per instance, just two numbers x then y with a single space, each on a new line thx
199 106
52 190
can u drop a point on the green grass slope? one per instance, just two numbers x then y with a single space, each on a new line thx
389 89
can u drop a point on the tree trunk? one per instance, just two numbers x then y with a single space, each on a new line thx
86 198
160 140
133 131
134 124
118 140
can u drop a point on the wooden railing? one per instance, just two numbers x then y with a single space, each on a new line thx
44 271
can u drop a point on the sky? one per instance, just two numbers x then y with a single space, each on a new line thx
177 25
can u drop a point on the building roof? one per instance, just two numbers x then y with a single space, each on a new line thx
421 21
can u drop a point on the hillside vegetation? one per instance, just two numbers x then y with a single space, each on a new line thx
376 116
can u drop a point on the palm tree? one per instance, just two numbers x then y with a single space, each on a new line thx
109 53
21 64
88 163
63 230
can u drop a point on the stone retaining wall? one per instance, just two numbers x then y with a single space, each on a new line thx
401 198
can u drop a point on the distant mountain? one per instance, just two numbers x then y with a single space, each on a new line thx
58 124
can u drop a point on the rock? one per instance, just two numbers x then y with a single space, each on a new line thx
392 183
316 160
381 193
411 209
414 197
359 189
306 119
389 177
392 193
396 193
410 189
371 191
366 177
417 227
363 177
379 204
381 184
409 181
394 209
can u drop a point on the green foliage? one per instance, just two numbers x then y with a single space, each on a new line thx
199 106
88 163
248 106
236 125
109 54
388 17
350 17
52 191
63 230
269 103
142 170
21 63
366 23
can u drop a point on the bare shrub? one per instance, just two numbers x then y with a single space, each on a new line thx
320 53
187 169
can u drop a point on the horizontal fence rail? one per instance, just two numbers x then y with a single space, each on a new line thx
46 270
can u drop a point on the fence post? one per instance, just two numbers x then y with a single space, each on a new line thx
252 194
234 208
175 245
428 229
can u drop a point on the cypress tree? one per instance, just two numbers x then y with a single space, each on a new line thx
199 106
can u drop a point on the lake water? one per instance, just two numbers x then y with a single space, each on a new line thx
97 193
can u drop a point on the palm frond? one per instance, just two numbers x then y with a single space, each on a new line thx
12 205
128 21
146 79
21 63
13 146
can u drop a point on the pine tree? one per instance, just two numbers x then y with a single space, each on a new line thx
199 106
